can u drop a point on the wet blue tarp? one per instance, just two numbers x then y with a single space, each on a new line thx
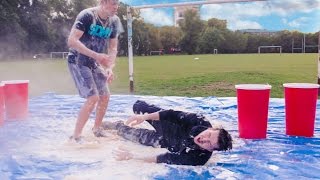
277 157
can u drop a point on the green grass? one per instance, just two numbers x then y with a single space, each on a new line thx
210 75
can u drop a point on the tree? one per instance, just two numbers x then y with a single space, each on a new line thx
284 39
235 42
191 27
123 39
12 35
217 23
154 38
34 20
170 37
79 5
211 39
60 22
140 38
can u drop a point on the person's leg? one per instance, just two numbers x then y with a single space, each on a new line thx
84 114
83 78
143 136
101 111
104 94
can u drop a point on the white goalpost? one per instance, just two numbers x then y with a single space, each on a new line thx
129 24
270 47
304 46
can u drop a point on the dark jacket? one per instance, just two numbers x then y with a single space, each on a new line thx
178 139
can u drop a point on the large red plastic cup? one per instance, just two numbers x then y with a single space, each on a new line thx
300 108
253 104
16 99
1 104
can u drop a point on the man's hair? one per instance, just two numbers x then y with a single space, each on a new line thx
224 140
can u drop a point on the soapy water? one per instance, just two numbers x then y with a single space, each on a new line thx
38 148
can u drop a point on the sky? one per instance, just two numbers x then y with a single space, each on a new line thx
274 15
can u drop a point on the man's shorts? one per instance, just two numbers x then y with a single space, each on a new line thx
89 81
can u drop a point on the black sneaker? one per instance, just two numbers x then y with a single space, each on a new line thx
141 107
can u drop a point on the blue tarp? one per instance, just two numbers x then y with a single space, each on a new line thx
29 149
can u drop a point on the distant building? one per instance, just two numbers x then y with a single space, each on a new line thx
259 32
179 13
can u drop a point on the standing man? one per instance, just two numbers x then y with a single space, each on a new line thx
94 33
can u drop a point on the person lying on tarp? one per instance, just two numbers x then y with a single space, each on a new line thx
189 138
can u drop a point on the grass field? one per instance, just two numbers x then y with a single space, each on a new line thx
210 75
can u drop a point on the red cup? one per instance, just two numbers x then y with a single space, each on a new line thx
253 104
16 99
300 108
1 104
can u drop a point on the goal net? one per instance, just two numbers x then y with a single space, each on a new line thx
60 55
270 49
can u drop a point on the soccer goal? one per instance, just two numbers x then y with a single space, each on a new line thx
272 49
156 53
129 18
60 55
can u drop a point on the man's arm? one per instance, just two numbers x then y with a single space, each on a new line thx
113 41
113 50
75 43
123 154
183 158
139 118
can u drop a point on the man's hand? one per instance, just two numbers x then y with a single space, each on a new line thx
135 120
122 154
109 75
104 59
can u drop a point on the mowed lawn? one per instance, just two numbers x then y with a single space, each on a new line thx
180 75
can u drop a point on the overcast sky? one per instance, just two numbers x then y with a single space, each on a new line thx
301 15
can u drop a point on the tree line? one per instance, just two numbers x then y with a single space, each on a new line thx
42 26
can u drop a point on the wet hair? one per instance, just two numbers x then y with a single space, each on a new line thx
224 140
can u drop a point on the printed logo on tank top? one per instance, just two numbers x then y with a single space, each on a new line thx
100 31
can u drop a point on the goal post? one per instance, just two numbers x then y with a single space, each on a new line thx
270 47
54 55
130 18
156 53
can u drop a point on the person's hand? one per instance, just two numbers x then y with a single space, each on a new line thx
109 75
135 120
104 60
122 154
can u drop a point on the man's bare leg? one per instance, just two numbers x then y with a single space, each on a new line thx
101 111
84 114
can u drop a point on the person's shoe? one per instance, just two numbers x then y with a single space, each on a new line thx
78 140
141 107
82 142
106 125
99 132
